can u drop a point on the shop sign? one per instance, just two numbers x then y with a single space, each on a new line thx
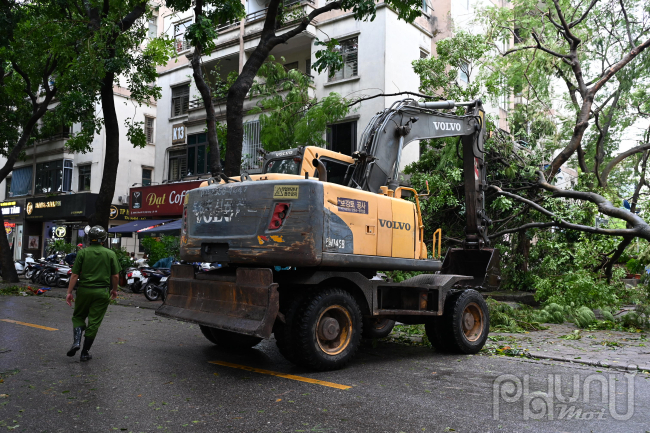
178 134
63 206
10 208
122 213
160 200
9 227
60 232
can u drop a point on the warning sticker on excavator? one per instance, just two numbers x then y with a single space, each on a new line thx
285 191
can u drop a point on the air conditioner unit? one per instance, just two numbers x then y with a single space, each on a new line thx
123 199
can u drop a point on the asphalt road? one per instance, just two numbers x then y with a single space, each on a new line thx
155 375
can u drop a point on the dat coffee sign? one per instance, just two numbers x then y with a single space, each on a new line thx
160 200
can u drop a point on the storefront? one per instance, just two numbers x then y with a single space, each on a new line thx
13 212
57 217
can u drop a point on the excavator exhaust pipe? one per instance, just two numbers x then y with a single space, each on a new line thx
482 265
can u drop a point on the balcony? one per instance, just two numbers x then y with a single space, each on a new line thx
260 14
53 137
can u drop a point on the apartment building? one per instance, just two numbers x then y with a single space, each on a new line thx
51 193
377 59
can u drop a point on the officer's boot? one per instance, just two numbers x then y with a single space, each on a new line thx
85 356
76 343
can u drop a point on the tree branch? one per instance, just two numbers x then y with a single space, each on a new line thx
611 164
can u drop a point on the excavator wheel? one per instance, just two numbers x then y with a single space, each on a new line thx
377 327
227 339
328 329
464 326
282 332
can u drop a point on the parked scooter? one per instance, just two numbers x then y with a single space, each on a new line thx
155 286
134 280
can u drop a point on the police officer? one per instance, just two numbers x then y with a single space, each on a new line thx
97 270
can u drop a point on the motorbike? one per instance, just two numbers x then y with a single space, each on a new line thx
20 266
134 279
155 283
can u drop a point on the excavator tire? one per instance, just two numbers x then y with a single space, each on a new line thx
377 327
328 327
227 339
464 325
284 339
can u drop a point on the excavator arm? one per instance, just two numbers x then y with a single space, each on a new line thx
383 140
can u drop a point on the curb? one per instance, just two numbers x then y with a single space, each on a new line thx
603 364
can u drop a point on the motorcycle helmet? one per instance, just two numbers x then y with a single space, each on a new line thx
97 235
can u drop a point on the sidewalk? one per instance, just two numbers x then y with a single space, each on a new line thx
614 349
125 298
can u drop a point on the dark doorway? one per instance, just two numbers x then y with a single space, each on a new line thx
342 137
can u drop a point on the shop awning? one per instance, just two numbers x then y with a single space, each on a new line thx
169 227
135 226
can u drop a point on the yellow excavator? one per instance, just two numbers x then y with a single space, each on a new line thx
302 246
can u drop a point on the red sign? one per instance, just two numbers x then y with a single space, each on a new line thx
160 200
12 225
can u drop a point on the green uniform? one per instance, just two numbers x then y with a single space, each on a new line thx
94 265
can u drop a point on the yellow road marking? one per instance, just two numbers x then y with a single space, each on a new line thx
286 376
28 324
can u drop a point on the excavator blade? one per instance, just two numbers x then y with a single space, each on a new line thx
482 265
245 302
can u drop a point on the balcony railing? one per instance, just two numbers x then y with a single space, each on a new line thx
54 137
254 16
198 103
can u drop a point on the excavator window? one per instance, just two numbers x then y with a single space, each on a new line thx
284 166
337 172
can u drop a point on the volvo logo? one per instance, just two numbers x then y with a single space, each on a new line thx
447 126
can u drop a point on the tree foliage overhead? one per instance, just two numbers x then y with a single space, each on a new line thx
289 115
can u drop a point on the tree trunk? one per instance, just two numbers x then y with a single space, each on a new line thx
9 273
523 251
206 95
112 154
576 139
235 108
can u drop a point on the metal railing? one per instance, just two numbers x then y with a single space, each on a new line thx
198 103
54 137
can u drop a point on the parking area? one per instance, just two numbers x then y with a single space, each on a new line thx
153 374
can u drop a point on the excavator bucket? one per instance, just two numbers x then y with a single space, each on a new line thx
482 265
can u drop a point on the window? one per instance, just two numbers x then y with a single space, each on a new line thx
153 27
148 129
21 181
423 54
337 172
517 36
180 100
8 187
463 72
348 49
177 164
84 177
308 67
504 98
53 176
290 66
251 145
179 36
284 166
146 176
425 7
198 154
342 137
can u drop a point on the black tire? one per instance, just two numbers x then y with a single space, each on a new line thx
151 292
51 279
60 282
464 326
377 327
35 277
227 339
283 332
29 273
136 287
335 344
